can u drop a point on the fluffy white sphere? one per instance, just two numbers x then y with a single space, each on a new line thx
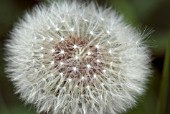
73 58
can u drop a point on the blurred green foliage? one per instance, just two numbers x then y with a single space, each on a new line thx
151 14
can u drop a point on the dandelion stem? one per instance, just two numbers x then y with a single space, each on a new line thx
162 102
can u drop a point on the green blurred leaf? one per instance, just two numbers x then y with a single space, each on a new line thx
16 110
125 8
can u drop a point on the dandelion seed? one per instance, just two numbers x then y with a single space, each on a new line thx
69 79
48 28
57 29
74 68
76 57
85 20
43 66
52 62
51 74
97 46
43 38
51 39
62 39
91 32
79 58
89 53
52 50
32 54
94 75
88 87
72 29
108 32
61 74
61 63
83 78
102 19
42 55
110 51
42 48
75 46
63 21
102 84
98 60
62 51
88 66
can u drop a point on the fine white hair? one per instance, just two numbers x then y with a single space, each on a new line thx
48 59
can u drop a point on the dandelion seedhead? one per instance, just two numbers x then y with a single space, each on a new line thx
74 58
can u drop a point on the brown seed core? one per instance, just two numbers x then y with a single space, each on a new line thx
78 57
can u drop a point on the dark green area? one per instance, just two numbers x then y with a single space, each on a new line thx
150 14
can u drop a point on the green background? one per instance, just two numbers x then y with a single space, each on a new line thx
143 14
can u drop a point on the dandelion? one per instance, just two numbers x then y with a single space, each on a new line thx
74 58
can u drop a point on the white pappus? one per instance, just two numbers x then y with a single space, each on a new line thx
69 57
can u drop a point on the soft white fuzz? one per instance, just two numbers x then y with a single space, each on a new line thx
74 58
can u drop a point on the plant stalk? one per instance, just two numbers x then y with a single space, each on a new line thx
163 94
